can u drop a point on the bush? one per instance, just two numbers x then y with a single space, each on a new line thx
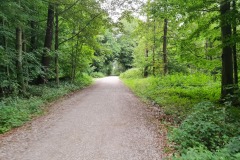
83 80
230 152
132 74
97 75
204 154
206 126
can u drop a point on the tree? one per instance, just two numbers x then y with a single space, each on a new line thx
234 30
26 41
56 45
165 62
227 56
47 43
19 67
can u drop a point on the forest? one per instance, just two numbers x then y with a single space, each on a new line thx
184 54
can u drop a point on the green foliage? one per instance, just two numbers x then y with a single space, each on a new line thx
97 75
207 131
131 74
83 80
231 151
206 126
199 153
177 93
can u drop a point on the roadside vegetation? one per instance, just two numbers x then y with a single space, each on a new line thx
50 48
199 126
186 61
15 110
181 55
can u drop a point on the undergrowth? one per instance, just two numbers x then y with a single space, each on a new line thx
206 130
97 75
15 111
177 94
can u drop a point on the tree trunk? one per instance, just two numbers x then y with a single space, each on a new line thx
165 62
154 47
234 26
4 44
208 45
33 40
145 72
19 69
4 39
47 43
56 47
72 64
227 57
24 43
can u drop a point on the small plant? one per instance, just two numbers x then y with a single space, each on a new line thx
230 152
207 126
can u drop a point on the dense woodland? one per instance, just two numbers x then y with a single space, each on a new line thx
183 53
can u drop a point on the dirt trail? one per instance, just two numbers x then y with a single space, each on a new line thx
103 122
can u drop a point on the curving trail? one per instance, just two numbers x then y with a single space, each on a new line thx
103 122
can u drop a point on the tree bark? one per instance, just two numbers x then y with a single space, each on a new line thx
19 69
165 62
234 48
227 56
47 43
56 47
72 63
24 43
33 41
4 44
154 46
145 72
4 39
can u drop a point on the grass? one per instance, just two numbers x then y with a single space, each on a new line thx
15 111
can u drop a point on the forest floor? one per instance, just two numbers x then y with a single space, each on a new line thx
102 122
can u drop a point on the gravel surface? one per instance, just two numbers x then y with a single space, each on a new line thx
103 122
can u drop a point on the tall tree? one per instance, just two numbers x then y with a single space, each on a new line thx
56 45
19 68
154 46
165 62
234 30
47 43
19 62
227 56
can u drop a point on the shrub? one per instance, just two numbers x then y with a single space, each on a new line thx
230 152
132 73
97 75
206 126
200 153
83 80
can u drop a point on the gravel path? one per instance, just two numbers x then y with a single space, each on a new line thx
103 122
